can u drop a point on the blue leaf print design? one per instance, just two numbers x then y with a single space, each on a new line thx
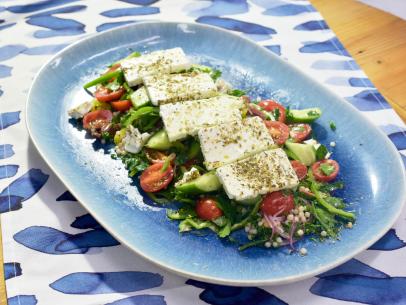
275 49
403 159
110 25
5 71
106 282
332 45
94 238
29 8
9 118
45 50
27 185
10 51
1 92
62 10
313 25
236 25
7 171
140 2
369 100
52 241
362 289
360 82
337 81
354 266
6 26
222 7
226 295
57 26
12 270
143 299
6 151
133 11
335 65
399 139
391 128
22 300
268 3
10 203
289 10
86 221
390 241
66 196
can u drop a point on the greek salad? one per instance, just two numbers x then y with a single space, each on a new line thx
231 162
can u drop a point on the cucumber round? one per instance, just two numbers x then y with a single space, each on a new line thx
159 141
305 153
203 184
308 115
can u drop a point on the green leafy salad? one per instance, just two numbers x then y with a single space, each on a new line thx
232 163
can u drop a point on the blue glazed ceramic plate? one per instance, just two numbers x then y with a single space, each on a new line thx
371 168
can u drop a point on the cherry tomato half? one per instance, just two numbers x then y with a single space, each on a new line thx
279 131
319 175
300 169
300 132
207 209
104 94
153 179
277 203
97 115
123 105
271 106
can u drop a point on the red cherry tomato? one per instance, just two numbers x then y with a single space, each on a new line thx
207 209
104 94
97 115
271 106
277 203
319 175
278 131
300 169
300 132
123 105
153 179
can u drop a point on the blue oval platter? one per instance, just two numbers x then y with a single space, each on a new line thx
370 166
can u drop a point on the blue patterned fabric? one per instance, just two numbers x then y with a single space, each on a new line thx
57 253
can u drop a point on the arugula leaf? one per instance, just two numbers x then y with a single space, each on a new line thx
135 163
143 118
225 231
276 113
321 152
336 202
237 92
196 223
226 206
215 74
331 187
327 169
183 213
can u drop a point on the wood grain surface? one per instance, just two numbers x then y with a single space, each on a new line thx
375 39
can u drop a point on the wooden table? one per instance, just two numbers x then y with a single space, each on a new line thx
375 39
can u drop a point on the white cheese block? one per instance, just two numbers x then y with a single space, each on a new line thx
229 142
186 118
158 62
259 174
79 111
134 140
170 88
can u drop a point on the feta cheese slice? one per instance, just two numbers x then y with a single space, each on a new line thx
158 62
186 118
170 88
262 173
79 111
229 142
134 140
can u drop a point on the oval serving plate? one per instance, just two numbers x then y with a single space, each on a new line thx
371 167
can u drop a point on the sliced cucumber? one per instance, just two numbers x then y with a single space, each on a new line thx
308 115
251 201
139 98
203 184
305 153
159 141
